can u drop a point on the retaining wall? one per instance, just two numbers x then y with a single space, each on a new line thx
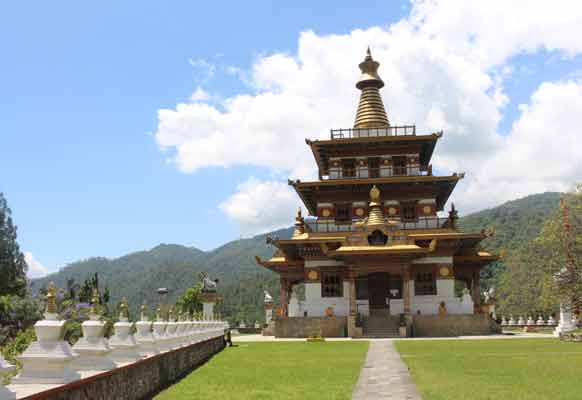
139 380
301 327
453 325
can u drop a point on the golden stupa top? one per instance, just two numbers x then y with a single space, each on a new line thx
94 302
371 112
123 308
369 77
51 298
376 214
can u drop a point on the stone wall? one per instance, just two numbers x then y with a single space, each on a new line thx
453 325
140 380
301 327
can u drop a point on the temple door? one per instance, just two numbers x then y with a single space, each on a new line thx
378 290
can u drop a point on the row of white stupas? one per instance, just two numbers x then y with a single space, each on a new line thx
530 321
52 361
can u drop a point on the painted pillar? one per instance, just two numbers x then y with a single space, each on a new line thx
476 290
406 295
351 279
284 296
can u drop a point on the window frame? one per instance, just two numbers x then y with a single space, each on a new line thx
332 285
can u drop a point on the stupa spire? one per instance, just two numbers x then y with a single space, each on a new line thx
371 112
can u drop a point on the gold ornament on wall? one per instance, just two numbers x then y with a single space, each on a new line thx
326 213
444 271
360 212
427 210
312 275
392 211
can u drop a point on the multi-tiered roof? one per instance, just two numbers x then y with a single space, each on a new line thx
371 166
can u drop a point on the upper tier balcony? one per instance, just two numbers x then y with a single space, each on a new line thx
331 226
352 133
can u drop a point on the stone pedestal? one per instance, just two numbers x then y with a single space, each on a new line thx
565 324
93 348
5 368
145 339
160 335
48 360
171 335
123 346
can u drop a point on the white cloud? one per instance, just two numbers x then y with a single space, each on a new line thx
445 67
35 268
200 95
261 206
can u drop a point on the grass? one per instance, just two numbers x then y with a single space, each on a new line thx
280 370
495 369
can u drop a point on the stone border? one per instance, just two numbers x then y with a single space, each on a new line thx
140 380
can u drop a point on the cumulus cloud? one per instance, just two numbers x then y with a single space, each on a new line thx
445 66
35 268
261 206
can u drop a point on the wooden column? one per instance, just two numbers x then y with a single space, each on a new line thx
476 290
284 282
406 295
351 279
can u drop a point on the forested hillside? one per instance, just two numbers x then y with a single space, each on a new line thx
242 282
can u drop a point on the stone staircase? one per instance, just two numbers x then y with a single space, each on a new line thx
380 324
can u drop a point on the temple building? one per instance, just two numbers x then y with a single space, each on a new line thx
375 257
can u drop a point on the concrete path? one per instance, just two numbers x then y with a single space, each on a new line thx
384 375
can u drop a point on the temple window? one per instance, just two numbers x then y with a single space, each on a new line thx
343 212
362 288
374 167
409 212
424 284
399 166
331 285
348 168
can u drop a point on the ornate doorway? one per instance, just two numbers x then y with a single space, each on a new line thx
378 290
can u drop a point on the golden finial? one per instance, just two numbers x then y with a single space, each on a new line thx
123 308
170 314
51 298
144 312
375 194
371 112
159 313
94 302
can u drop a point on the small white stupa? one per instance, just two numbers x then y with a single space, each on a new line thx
160 331
540 321
5 368
171 331
123 344
93 348
144 337
48 360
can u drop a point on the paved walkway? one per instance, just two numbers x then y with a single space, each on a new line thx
384 375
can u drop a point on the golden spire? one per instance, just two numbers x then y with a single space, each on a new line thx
371 112
94 302
51 298
299 225
123 309
159 313
376 214
170 314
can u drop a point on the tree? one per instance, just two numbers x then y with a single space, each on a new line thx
561 237
12 264
190 302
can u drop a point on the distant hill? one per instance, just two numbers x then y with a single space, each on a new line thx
138 275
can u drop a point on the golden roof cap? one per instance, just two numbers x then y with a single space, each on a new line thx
94 302
371 112
51 298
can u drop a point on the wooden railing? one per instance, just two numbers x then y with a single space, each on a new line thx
351 133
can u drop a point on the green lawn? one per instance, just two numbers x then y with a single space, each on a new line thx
495 369
280 370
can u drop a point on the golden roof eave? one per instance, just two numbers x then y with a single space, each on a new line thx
378 181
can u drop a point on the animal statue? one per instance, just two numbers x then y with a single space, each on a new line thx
207 283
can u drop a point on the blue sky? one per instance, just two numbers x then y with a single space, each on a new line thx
82 165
